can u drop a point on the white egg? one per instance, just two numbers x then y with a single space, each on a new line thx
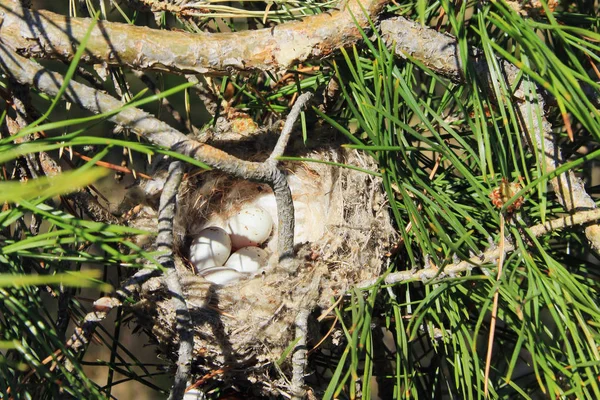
222 275
194 394
250 227
211 247
248 259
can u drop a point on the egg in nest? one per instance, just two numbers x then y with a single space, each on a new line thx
245 323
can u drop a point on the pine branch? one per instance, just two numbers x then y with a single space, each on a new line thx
43 34
490 256
441 53
569 189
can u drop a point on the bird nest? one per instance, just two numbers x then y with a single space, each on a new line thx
342 234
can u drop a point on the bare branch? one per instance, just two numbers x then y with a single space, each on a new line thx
436 50
488 257
204 92
568 188
166 214
47 35
164 243
441 53
289 125
299 358
81 337
579 218
101 308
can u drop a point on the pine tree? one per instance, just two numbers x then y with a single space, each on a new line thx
478 121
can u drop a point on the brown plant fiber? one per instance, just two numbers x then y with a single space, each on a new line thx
343 232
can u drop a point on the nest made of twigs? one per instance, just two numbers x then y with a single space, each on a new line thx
343 231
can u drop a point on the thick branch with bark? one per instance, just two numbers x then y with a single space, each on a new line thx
44 34
48 35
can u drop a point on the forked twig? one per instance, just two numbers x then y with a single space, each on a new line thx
158 132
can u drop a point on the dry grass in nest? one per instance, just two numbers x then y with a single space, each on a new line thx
343 231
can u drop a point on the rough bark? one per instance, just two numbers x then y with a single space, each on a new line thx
45 34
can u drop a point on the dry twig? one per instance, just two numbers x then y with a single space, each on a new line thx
299 358
164 243
490 256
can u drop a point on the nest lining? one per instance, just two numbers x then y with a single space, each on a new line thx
342 233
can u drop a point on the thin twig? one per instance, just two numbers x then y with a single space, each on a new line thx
166 214
101 308
82 335
164 244
299 357
209 97
490 256
114 167
286 223
289 125
579 218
